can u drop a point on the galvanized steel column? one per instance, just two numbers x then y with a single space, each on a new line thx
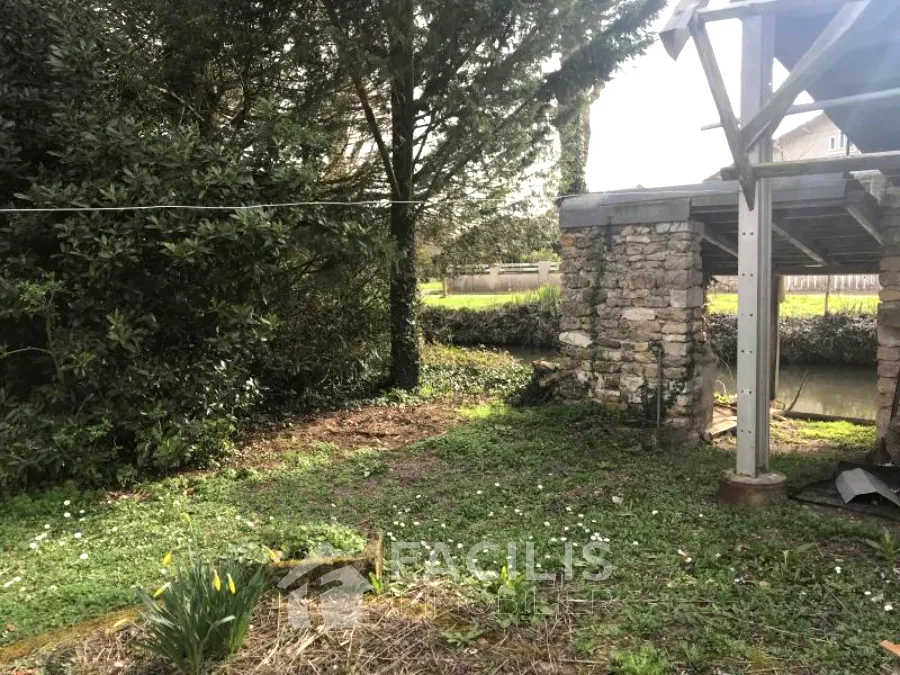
755 261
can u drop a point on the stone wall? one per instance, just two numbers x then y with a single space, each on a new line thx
889 310
629 292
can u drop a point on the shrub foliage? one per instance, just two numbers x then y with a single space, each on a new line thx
134 340
848 339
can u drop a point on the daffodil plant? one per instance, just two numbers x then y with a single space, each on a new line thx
203 613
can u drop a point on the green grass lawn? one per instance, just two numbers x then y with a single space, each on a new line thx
724 303
479 300
802 304
788 589
430 287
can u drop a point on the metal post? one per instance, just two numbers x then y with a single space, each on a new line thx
755 260
777 299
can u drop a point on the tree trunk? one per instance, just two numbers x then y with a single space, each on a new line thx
404 335
574 128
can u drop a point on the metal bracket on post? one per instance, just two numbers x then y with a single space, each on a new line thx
755 261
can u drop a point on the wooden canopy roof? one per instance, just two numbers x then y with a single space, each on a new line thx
823 224
872 64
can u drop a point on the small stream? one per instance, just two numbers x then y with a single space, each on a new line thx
846 391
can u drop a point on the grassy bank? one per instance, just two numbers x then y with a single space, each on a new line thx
789 589
795 305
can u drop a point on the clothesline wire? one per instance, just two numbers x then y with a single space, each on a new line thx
661 192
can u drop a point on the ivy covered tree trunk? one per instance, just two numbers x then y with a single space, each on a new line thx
404 336
573 124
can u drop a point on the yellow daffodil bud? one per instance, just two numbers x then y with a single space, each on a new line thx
167 559
231 586
217 582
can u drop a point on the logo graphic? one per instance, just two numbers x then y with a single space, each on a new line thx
340 603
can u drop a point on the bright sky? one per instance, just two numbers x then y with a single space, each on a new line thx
645 127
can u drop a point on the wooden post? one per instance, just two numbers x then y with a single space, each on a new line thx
827 292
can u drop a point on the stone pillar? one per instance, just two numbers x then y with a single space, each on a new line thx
543 272
494 279
632 296
889 309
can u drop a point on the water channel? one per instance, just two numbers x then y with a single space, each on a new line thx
847 391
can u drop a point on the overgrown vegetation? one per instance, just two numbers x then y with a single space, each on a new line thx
707 586
134 341
848 339
530 324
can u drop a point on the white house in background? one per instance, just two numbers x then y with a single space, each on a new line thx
820 137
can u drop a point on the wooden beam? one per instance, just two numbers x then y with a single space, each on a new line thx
719 243
867 218
833 42
723 106
740 10
788 234
677 30
875 97
882 161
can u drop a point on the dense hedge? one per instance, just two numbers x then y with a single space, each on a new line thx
512 325
836 339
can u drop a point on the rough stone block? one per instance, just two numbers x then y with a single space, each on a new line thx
639 314
646 330
889 314
676 349
691 297
576 339
885 386
889 279
889 369
889 353
888 336
679 327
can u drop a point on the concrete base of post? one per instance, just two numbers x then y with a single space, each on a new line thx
766 489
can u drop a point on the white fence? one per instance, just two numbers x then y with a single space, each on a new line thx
813 283
505 278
